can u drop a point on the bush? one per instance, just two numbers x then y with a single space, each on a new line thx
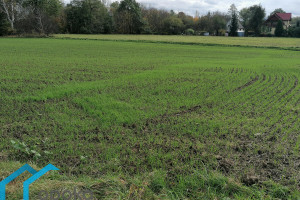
146 30
222 32
200 32
173 25
294 32
190 31
279 32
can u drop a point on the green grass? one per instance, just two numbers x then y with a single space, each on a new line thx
145 120
284 43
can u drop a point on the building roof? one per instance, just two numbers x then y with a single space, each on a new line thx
240 26
280 16
285 16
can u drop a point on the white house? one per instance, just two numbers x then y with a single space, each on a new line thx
240 31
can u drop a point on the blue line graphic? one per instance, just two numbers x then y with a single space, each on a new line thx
34 177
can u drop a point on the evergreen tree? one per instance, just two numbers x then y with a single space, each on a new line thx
4 25
234 25
233 13
279 31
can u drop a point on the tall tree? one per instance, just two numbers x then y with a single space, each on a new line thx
256 21
205 23
279 31
245 15
187 20
233 10
218 22
155 19
173 25
44 12
113 8
4 25
11 9
234 25
129 19
88 17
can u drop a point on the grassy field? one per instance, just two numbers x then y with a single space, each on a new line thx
142 120
284 43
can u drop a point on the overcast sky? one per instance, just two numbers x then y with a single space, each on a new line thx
203 6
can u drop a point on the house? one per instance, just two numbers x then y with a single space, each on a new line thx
272 21
240 31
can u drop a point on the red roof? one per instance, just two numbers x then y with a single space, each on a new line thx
285 16
279 16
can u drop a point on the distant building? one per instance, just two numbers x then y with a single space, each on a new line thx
240 31
272 21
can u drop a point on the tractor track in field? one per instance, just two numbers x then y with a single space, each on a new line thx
262 86
298 101
209 105
251 82
255 91
277 88
273 96
268 86
260 83
290 90
293 112
264 159
278 100
282 111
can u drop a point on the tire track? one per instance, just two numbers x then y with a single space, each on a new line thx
251 82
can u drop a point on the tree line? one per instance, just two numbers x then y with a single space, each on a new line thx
124 17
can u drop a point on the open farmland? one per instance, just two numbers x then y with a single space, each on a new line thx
137 120
279 43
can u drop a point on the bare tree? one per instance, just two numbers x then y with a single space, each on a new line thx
11 9
42 11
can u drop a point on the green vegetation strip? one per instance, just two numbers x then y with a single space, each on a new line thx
271 43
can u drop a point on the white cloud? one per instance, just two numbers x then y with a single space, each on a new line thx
203 6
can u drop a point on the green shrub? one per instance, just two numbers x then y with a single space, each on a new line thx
294 32
190 31
279 32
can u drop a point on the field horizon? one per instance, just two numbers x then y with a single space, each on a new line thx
258 42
